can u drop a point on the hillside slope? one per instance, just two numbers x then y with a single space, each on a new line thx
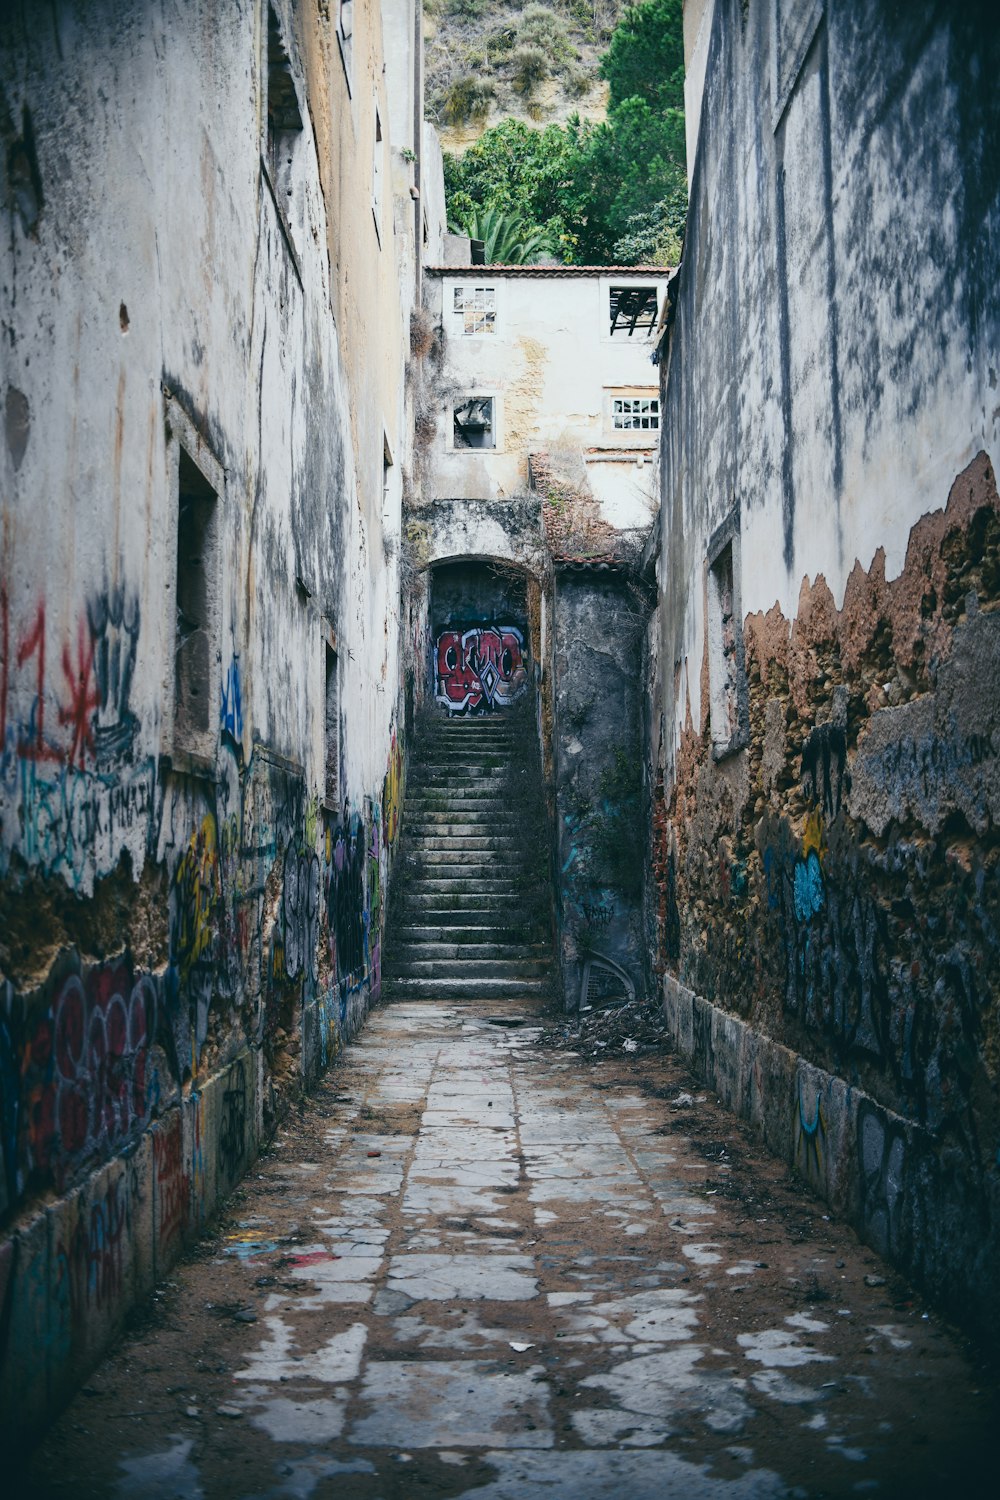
486 60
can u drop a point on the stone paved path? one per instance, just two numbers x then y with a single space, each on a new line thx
477 1268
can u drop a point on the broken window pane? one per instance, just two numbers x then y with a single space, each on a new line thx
474 424
477 306
636 413
632 309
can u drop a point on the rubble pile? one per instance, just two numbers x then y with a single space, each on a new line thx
632 1028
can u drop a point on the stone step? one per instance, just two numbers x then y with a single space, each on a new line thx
464 989
419 903
459 884
478 839
449 968
474 725
399 951
470 840
462 801
505 823
485 864
454 929
450 786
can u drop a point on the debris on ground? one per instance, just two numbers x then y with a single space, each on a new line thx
629 1029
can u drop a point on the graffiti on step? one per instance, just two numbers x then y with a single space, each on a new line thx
481 670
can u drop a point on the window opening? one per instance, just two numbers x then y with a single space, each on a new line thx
345 36
633 413
284 119
195 644
632 309
477 307
474 423
386 477
332 730
377 174
725 651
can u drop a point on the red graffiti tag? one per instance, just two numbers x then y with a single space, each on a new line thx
480 669
82 693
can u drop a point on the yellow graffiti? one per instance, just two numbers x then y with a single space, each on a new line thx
812 835
197 886
392 793
312 822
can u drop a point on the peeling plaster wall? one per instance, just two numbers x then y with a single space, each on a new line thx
551 365
185 939
826 893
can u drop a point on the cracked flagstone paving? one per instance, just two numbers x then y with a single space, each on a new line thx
477 1268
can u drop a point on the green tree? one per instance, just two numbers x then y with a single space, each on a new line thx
508 240
523 171
610 193
645 58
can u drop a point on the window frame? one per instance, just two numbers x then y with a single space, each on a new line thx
609 284
637 427
458 316
727 685
344 29
329 653
288 138
378 170
192 750
478 394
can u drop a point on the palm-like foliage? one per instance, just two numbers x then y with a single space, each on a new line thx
509 240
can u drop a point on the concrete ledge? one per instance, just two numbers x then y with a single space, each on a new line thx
72 1271
906 1191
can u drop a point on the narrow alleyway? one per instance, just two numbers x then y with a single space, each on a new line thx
478 1265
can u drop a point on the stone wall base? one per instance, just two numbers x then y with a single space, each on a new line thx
72 1270
909 1193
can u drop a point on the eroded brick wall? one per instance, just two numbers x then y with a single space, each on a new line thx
834 885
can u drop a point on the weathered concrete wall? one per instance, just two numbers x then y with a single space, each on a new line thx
598 646
825 847
190 918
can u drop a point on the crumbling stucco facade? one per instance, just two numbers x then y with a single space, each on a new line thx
201 752
562 355
824 655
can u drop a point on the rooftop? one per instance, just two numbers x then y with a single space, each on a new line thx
502 270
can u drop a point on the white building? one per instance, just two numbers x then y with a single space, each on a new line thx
552 360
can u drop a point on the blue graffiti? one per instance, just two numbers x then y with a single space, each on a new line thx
808 887
231 707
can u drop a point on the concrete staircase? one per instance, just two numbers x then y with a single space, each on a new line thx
470 915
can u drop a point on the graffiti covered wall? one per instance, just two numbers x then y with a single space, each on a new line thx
201 708
825 736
